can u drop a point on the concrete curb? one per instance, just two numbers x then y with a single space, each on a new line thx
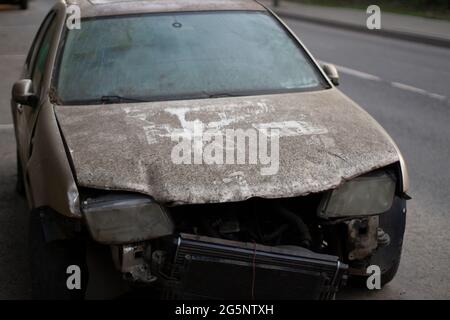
440 42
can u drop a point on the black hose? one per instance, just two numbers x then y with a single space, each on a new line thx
276 233
305 235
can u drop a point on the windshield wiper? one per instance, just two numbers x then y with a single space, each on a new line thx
116 99
220 95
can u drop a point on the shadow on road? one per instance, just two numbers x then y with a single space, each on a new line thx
14 268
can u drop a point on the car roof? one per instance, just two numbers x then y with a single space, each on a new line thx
93 8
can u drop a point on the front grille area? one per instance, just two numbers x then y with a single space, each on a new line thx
215 268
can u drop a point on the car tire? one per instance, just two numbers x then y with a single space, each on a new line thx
49 263
23 4
20 186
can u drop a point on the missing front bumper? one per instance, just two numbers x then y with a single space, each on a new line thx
204 267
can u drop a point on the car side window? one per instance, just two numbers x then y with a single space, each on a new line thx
40 58
43 27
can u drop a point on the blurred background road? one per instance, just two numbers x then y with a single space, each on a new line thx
404 85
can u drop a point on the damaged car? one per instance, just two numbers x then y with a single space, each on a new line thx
204 146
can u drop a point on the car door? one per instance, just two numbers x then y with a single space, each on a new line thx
34 69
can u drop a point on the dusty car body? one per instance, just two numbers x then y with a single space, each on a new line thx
104 171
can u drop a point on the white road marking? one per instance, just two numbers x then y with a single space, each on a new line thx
408 87
418 90
358 74
8 126
437 96
398 85
353 72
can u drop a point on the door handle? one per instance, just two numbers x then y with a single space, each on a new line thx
19 108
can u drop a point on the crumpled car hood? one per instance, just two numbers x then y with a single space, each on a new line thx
324 139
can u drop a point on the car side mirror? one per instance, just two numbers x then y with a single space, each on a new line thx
22 93
332 73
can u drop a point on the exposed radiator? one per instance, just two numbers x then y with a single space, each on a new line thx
215 268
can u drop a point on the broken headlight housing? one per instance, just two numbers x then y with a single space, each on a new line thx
125 218
365 195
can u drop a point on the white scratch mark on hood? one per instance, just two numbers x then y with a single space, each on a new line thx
228 114
292 128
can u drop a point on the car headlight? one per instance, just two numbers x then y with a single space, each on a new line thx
369 194
125 218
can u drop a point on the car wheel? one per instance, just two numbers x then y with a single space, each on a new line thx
20 186
50 262
23 4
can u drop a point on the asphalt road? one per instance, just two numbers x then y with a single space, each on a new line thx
404 85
